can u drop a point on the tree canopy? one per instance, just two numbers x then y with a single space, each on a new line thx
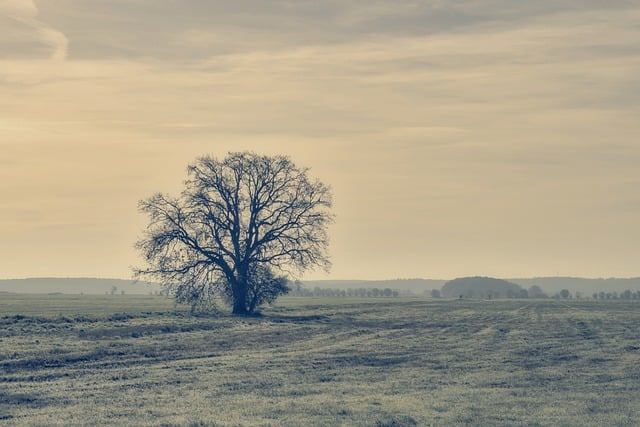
239 227
481 287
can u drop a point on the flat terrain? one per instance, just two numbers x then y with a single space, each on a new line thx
124 360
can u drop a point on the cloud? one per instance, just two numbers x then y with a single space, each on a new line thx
25 32
19 8
193 29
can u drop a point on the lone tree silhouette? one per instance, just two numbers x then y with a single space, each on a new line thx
240 225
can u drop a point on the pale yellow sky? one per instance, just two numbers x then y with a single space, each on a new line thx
460 138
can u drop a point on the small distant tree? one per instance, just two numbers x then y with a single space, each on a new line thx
435 293
565 294
240 225
114 289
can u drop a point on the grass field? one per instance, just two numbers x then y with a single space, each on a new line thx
124 360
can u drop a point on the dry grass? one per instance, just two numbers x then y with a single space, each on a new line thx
135 361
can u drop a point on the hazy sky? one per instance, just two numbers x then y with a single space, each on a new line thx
466 137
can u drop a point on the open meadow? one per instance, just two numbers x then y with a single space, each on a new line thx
136 360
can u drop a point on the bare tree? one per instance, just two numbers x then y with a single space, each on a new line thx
238 222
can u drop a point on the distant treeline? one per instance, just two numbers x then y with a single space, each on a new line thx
492 288
626 295
467 288
550 287
537 293
299 290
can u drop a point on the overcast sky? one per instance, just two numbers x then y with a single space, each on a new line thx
466 137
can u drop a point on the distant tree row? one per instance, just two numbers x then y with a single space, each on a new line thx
299 290
536 292
626 295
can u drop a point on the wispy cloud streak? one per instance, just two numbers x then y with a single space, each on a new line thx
24 13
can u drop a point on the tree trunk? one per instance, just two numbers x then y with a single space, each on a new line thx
239 307
240 295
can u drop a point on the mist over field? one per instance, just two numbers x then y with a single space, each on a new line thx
77 285
94 286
